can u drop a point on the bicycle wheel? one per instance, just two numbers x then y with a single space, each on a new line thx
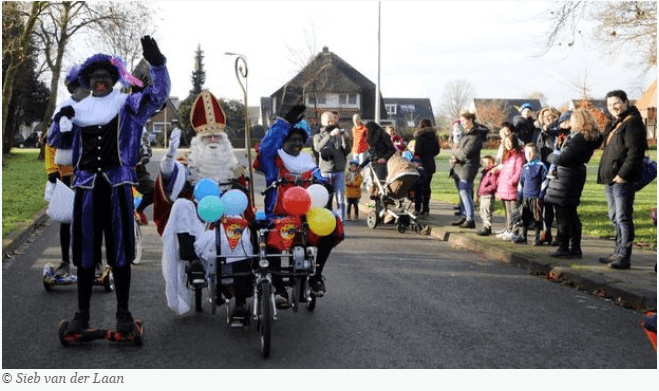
265 318
138 244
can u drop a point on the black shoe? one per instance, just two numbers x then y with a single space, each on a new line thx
457 213
537 242
63 269
520 240
459 222
609 259
196 273
576 254
281 299
456 207
620 264
468 224
484 232
317 286
555 243
79 323
560 253
125 322
240 310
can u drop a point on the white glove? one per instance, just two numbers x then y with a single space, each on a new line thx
174 141
65 125
167 163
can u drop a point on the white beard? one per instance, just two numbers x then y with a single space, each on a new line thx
213 161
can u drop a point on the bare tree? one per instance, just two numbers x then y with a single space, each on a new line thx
21 16
621 26
123 31
61 21
457 94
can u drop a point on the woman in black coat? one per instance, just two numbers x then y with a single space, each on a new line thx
380 148
426 147
565 191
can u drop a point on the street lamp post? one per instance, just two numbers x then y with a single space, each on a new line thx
241 74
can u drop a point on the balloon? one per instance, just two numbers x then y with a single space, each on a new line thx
138 201
211 208
296 201
205 187
319 196
235 202
260 215
321 221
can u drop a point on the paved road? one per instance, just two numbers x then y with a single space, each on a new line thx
394 301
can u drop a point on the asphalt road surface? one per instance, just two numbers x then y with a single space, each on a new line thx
394 301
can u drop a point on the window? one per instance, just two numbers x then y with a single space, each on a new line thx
391 109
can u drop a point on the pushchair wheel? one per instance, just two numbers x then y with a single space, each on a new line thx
372 219
402 227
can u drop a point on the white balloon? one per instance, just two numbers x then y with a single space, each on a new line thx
319 196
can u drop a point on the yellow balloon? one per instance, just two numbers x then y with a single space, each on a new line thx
321 221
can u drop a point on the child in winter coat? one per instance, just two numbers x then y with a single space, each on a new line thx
511 169
486 193
531 190
353 188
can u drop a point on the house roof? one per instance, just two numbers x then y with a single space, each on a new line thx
328 72
649 99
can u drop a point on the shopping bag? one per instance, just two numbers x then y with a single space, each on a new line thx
61 203
48 192
648 174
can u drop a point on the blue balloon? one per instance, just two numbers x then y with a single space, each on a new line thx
260 215
138 200
211 208
235 201
204 188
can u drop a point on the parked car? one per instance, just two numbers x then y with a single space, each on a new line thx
32 141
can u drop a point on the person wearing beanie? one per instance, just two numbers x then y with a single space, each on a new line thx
58 160
525 124
106 130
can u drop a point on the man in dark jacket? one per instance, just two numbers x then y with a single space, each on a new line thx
426 148
466 164
620 166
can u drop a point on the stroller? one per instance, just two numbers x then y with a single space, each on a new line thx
390 195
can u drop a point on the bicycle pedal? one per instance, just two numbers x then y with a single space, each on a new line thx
238 321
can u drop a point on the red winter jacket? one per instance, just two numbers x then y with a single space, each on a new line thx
489 182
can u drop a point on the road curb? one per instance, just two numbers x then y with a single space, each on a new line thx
11 242
593 283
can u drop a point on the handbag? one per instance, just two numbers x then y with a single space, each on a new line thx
60 208
648 174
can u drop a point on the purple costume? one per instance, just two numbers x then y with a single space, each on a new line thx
106 141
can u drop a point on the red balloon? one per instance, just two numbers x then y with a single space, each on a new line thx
297 201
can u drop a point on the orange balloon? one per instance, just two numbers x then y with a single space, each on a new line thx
296 201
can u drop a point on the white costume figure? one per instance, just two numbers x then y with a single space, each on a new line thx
189 243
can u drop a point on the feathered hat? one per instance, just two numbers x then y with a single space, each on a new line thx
206 115
113 64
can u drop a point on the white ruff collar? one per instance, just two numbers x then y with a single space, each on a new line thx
297 164
99 110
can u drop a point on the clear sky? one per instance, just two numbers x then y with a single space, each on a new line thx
423 46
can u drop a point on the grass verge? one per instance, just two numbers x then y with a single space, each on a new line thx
593 209
23 183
